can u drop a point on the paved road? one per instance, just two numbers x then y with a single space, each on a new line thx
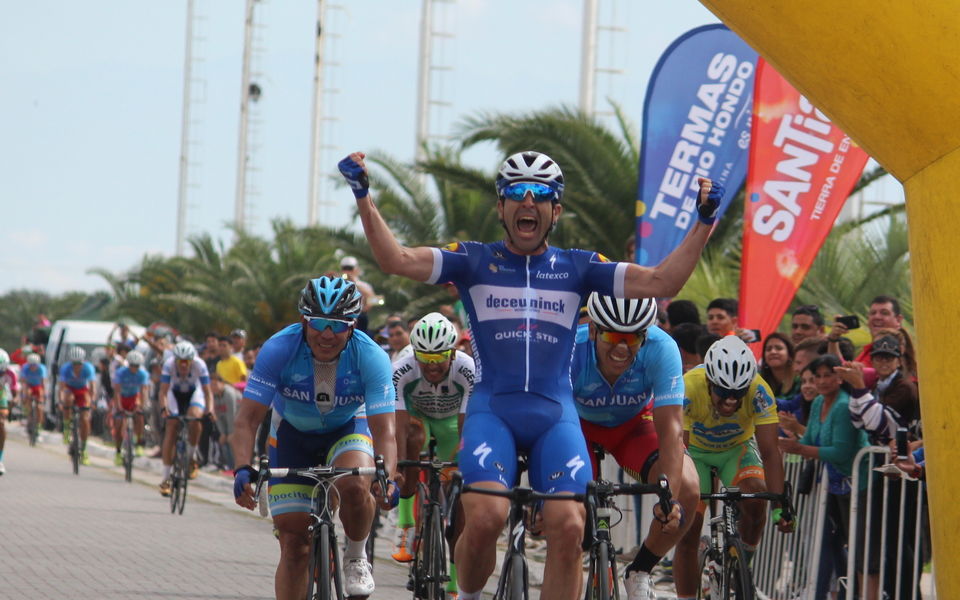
94 536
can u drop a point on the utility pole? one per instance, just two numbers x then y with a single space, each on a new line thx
187 141
588 56
322 113
432 38
239 210
593 53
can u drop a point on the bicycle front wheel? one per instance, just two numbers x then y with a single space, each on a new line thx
75 445
515 582
128 456
319 579
436 556
737 580
601 576
708 583
182 486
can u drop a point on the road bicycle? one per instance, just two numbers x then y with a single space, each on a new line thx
74 449
33 422
428 571
325 580
180 474
514 581
127 446
603 582
724 567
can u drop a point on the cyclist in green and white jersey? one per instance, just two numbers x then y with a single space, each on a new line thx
433 386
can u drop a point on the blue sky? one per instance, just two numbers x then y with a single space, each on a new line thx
90 115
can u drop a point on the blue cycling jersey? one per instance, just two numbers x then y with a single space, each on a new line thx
130 381
33 375
656 376
523 312
283 377
77 381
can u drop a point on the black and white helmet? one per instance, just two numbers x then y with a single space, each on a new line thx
433 333
626 315
730 364
76 354
135 358
532 167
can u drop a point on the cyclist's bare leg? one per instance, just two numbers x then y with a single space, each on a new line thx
3 428
687 492
685 567
138 427
753 513
476 550
563 525
84 426
415 440
356 502
38 406
290 582
171 432
195 427
118 429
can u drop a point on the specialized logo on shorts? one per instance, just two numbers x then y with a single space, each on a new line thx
483 451
575 464
556 476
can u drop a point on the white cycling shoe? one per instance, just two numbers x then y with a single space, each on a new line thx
357 578
639 586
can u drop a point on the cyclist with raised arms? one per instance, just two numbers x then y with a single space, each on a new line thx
77 379
730 422
522 297
433 388
33 375
130 389
184 390
628 385
8 390
332 396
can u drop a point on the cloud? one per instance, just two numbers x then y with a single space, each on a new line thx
29 238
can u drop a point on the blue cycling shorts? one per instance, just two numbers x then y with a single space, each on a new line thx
557 455
290 447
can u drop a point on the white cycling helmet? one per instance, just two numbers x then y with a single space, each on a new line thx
433 333
532 167
4 359
627 315
33 358
730 364
134 358
76 354
184 351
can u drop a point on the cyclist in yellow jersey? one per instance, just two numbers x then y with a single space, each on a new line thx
729 422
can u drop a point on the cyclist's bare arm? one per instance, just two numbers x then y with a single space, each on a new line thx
208 395
770 455
383 429
249 416
667 278
393 258
402 422
668 422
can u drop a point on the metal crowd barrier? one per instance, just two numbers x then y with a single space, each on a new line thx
897 503
786 567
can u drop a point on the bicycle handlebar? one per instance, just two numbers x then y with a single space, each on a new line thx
425 463
606 489
734 494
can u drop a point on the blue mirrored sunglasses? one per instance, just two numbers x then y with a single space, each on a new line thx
335 325
518 191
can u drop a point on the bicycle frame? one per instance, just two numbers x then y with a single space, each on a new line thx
324 550
511 585
726 551
180 474
427 580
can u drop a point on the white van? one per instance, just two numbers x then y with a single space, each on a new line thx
88 335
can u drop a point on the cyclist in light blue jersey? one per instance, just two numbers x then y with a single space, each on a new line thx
522 298
331 390
628 386
129 394
77 385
